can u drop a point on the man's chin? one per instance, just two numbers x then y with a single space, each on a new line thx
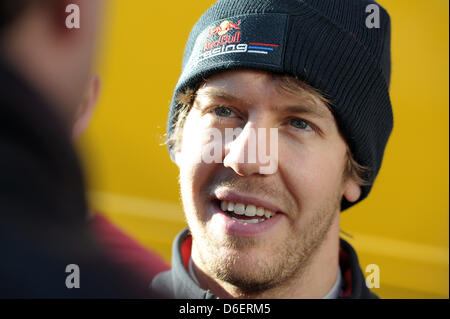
243 252
243 262
250 272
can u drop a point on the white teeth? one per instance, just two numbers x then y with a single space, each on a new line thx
268 213
249 210
239 209
223 205
260 211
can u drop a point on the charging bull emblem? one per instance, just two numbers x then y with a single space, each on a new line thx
224 27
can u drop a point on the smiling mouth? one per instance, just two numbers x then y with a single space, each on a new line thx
245 213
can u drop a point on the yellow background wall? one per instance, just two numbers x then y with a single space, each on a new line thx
402 226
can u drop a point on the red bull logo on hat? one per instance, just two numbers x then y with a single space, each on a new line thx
226 37
222 37
224 27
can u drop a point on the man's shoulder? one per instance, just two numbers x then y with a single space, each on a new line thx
162 285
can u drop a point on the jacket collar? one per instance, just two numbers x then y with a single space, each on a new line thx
184 286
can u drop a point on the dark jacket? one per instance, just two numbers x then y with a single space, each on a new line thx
177 283
43 214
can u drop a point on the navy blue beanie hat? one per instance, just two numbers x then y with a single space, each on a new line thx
336 46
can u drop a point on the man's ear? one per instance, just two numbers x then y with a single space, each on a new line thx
352 190
87 106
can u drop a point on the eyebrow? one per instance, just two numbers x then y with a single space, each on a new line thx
307 107
218 93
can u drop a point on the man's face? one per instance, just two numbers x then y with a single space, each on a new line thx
304 191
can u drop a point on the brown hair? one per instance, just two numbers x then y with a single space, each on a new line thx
186 99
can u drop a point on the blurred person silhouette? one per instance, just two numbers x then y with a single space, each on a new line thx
119 246
47 248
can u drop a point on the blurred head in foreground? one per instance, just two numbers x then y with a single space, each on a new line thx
40 39
45 67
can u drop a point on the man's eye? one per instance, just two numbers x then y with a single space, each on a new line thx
223 111
300 124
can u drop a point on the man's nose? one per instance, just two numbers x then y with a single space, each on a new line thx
246 151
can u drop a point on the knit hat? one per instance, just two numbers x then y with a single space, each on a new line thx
329 44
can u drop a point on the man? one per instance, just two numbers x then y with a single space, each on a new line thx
316 75
47 249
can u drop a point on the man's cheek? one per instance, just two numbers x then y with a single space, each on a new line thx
201 143
312 184
323 181
190 147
